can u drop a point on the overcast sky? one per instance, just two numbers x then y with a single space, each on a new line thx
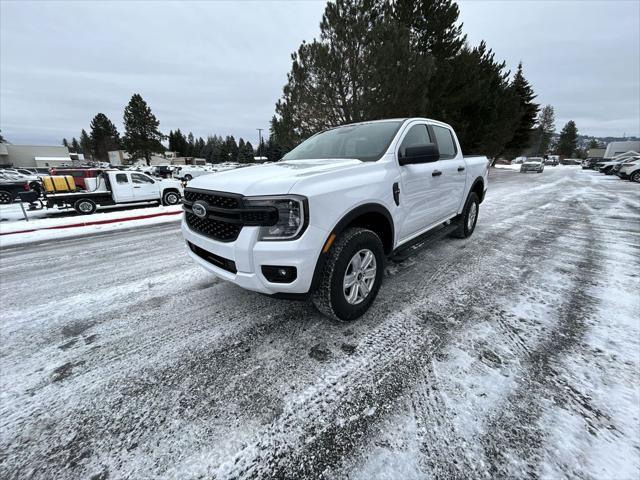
219 67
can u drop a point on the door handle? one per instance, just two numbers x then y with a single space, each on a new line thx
436 173
461 169
136 187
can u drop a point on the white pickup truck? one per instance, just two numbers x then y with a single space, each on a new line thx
323 220
116 187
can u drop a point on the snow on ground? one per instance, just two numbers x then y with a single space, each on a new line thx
512 354
43 220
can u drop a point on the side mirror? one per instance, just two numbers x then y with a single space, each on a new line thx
420 154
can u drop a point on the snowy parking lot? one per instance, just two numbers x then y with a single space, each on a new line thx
512 354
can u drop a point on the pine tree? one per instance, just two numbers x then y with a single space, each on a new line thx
568 139
2 140
141 135
545 128
366 63
249 153
232 149
65 142
241 158
527 113
104 137
75 146
86 145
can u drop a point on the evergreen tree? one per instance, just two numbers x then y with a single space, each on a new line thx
141 135
545 128
86 145
249 153
75 146
274 151
241 157
190 145
178 143
2 140
232 149
593 143
527 113
65 142
365 65
104 137
568 139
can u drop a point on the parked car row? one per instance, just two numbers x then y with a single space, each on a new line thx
626 166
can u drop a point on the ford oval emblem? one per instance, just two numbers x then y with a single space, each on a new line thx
199 209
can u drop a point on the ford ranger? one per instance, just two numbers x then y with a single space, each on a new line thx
322 221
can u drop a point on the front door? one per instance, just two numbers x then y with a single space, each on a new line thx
420 186
144 187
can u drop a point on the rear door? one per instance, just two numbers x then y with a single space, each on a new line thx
453 177
121 187
419 187
144 187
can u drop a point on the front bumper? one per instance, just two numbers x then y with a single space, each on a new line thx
623 175
249 255
532 168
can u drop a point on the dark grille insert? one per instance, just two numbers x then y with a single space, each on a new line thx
222 231
217 260
212 199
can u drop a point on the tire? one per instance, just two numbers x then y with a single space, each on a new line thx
635 176
85 206
171 198
188 177
467 219
6 197
335 300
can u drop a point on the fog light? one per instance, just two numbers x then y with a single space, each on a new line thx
279 274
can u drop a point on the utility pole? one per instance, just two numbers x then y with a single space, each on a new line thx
259 142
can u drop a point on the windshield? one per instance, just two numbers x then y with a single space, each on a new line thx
366 142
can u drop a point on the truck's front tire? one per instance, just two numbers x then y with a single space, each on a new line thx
468 218
351 276
85 206
6 197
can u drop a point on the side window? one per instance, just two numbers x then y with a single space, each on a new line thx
140 178
121 178
446 145
417 135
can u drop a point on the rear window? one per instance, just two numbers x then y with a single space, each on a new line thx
446 144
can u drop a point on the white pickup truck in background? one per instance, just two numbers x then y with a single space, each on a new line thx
115 187
323 220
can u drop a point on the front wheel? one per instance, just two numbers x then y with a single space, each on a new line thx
635 176
171 198
351 276
468 218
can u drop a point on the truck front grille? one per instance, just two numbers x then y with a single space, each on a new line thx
226 214
221 231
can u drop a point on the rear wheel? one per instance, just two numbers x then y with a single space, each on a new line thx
351 276
635 176
188 177
5 197
85 206
468 218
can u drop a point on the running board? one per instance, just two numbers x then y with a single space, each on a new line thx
405 250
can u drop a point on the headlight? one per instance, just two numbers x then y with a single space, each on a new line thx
292 216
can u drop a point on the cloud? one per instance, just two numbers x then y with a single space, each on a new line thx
219 67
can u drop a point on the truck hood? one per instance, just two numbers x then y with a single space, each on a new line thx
270 179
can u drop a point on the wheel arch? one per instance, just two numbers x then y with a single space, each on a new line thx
373 216
478 188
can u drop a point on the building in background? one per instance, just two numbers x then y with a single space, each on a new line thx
31 156
596 152
616 148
